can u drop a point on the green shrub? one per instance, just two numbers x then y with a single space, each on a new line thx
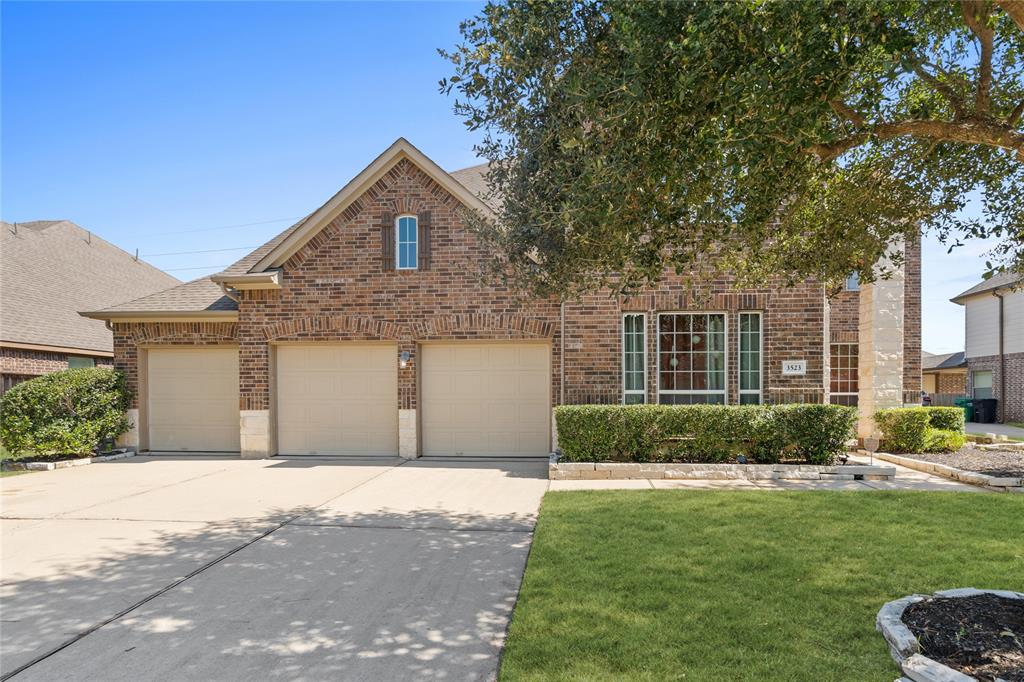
703 433
946 418
818 433
67 412
944 440
921 429
904 429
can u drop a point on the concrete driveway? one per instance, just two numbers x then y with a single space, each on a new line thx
215 568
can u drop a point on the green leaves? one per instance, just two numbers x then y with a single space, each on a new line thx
754 138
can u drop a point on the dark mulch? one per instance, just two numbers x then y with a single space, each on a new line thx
50 458
981 636
992 462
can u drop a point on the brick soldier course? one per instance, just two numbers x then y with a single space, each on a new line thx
340 284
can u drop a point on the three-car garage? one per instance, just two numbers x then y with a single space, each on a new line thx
475 398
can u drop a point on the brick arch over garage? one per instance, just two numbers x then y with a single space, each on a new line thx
479 325
329 327
185 332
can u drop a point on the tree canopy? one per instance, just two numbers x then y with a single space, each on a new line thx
760 138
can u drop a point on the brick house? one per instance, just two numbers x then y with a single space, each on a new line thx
944 376
994 343
49 270
365 328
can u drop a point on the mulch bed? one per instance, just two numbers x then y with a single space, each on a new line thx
53 458
969 458
981 636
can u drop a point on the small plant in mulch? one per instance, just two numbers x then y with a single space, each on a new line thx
981 636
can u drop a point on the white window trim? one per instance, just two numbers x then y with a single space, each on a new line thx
760 356
725 391
398 243
622 341
854 278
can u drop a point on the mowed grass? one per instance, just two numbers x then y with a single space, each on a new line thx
734 585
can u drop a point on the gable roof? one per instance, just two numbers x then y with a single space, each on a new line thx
997 281
50 269
943 360
204 297
302 232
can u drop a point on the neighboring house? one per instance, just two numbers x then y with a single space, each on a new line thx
365 328
49 270
994 348
944 374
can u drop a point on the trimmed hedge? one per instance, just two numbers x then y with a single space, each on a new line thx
703 433
921 429
67 413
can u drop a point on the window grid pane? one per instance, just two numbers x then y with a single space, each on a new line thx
691 358
633 370
843 380
750 358
407 249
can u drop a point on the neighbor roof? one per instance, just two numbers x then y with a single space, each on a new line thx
51 269
943 361
997 281
204 296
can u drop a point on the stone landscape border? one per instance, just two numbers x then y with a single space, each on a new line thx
574 471
904 647
1001 484
9 465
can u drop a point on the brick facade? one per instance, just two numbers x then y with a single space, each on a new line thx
19 364
335 288
1012 409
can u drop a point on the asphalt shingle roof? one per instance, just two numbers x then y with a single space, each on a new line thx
205 295
51 269
1002 279
943 361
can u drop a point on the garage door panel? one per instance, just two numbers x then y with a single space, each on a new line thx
337 399
193 399
485 399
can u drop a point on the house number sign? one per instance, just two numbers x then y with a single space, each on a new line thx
794 367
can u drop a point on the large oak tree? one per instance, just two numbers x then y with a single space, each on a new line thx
761 138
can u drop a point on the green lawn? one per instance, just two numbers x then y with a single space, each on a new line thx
731 585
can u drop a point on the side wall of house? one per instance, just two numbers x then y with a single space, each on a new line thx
20 364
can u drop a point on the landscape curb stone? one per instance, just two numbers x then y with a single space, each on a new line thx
568 471
996 483
65 463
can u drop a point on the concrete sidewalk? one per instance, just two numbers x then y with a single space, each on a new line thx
998 429
212 568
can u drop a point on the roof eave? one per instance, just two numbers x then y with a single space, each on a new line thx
162 315
249 281
401 148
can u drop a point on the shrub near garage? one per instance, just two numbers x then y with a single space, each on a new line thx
703 433
67 413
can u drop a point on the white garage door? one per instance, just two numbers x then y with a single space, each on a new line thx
485 399
193 399
337 399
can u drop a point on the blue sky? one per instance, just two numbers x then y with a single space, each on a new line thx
150 123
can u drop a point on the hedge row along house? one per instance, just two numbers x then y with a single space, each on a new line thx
50 270
365 329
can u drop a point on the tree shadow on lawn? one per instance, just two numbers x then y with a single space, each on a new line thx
355 595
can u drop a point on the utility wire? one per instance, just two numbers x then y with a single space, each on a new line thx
185 253
198 267
223 227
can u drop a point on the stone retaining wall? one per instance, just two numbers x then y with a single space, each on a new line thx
1003 484
561 471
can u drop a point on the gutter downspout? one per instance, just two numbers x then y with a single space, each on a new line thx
1002 356
561 363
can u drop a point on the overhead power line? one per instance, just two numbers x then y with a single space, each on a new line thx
198 267
186 253
224 227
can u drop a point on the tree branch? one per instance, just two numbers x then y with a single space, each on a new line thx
951 95
1015 114
976 14
1015 8
966 132
846 111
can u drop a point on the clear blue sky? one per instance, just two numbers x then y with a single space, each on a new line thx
137 120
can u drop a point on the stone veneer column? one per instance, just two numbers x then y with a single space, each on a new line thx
880 366
254 426
130 438
407 442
